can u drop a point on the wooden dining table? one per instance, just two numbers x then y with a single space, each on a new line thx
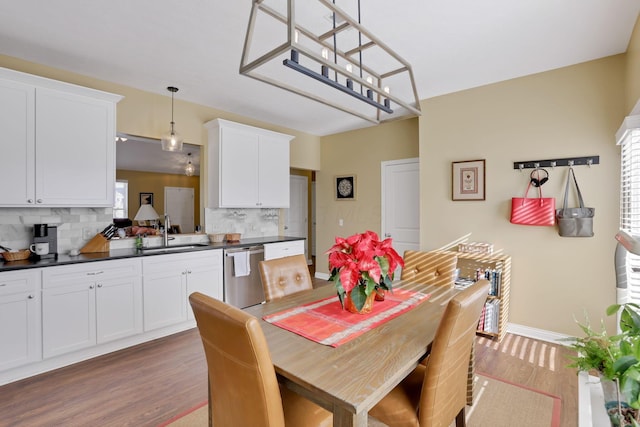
350 379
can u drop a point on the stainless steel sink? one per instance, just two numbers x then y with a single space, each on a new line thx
172 248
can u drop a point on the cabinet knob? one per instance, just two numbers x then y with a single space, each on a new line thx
91 286
99 285
184 272
188 271
31 296
29 200
39 201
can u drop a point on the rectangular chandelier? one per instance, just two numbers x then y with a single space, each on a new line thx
323 41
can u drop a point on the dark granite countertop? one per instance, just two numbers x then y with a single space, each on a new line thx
65 259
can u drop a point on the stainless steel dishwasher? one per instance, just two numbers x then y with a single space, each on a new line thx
240 289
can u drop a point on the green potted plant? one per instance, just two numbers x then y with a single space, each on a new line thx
361 265
616 359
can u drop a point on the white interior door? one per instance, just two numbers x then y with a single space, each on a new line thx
401 204
313 218
297 216
179 204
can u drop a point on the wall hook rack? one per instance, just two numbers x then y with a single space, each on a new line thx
569 161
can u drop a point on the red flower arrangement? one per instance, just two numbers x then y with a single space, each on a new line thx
361 264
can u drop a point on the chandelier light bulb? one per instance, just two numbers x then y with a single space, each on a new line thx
370 80
296 36
386 89
325 53
349 68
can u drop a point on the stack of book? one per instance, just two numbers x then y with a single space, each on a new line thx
489 317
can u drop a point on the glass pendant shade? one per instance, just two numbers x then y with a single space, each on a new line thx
189 170
172 141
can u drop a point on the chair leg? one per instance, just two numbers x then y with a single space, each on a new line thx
471 374
209 401
461 420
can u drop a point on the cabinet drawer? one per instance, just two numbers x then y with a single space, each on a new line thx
65 275
283 249
19 282
172 262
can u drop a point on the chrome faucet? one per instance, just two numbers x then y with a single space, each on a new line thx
167 225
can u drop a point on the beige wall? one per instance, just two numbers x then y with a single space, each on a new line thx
633 69
357 152
572 111
150 182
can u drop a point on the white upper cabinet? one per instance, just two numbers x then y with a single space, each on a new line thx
248 166
60 148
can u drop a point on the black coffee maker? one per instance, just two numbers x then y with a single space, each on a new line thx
43 233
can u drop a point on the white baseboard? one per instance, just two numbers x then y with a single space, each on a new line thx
539 334
324 276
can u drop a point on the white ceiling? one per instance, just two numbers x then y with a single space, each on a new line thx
196 45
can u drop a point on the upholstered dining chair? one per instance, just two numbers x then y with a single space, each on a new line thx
435 394
284 276
243 389
432 267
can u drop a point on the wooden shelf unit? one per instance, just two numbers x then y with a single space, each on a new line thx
468 263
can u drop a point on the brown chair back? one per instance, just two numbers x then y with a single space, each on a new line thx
433 267
242 381
444 390
284 276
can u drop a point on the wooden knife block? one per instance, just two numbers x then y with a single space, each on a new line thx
98 244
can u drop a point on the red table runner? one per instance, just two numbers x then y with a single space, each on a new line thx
325 321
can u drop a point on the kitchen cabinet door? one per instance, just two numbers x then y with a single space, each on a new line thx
58 142
239 168
249 166
75 149
20 332
164 287
204 275
68 318
17 115
90 303
118 308
274 172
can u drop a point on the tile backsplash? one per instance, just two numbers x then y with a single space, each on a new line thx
248 222
76 226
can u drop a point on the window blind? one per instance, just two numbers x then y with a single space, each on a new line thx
630 203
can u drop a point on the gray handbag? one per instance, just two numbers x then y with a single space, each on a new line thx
574 222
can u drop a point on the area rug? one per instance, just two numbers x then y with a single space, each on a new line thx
497 403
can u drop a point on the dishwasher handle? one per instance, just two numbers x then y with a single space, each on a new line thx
253 250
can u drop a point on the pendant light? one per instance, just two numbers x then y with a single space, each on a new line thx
189 169
172 141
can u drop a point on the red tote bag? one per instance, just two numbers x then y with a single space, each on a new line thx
533 210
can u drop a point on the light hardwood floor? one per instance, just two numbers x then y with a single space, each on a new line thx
152 382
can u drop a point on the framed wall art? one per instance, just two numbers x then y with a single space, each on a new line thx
146 199
345 187
468 180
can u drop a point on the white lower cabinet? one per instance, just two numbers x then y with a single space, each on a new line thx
20 331
90 303
54 316
283 249
170 279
